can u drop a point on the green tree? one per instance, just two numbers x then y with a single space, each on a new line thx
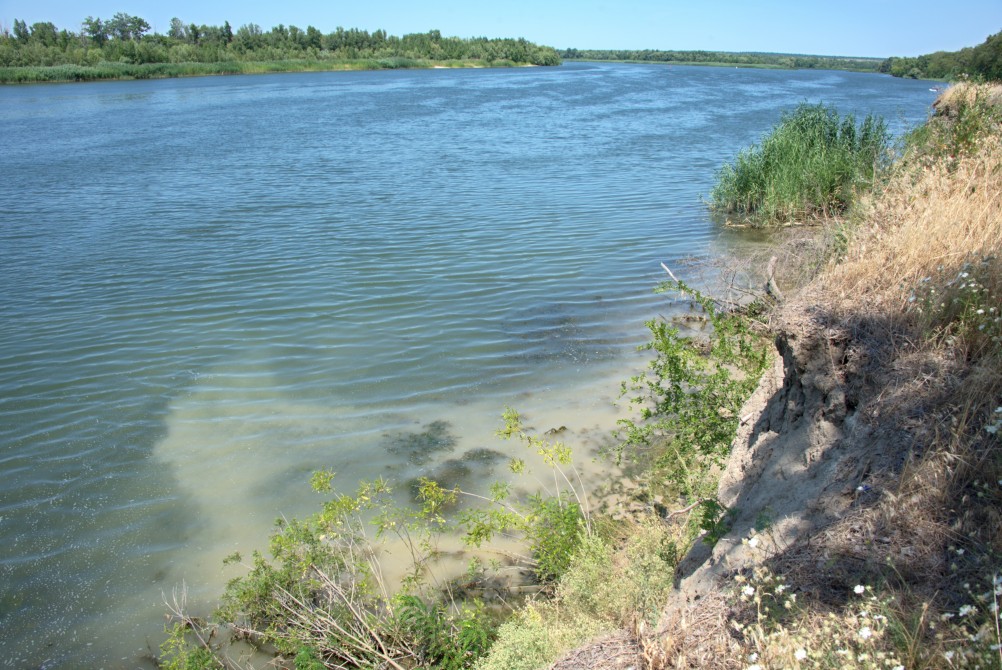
313 37
249 37
96 30
21 32
177 30
44 33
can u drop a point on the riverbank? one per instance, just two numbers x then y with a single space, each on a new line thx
727 59
126 71
864 485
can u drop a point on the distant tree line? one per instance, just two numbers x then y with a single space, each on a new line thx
981 62
746 59
127 39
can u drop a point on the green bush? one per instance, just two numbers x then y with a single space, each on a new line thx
603 589
177 652
813 163
690 396
442 638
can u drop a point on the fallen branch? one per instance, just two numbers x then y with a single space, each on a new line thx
686 509
771 288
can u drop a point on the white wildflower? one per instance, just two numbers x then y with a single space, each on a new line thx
748 591
865 633
859 589
967 609
800 654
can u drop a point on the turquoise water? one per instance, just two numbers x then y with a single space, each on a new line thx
211 287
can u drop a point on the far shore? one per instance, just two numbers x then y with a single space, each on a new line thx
125 71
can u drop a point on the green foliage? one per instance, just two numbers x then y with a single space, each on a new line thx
122 48
603 589
983 62
714 520
552 525
814 162
963 310
178 653
554 532
308 658
446 640
322 591
689 399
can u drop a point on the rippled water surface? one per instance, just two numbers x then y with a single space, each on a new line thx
211 287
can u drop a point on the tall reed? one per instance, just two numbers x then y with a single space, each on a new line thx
813 163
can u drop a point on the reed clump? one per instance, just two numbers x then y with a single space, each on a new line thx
812 164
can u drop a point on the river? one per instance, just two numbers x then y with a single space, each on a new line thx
211 287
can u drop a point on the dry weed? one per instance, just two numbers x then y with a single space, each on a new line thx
966 93
923 225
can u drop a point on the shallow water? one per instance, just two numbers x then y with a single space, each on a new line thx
211 287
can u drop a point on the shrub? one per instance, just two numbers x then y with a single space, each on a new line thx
689 399
603 589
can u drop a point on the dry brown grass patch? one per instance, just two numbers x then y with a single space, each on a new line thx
966 93
923 225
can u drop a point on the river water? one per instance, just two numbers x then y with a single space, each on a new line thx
211 287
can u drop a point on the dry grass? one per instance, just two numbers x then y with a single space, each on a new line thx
923 225
922 278
965 93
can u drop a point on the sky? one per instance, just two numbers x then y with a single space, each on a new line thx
848 28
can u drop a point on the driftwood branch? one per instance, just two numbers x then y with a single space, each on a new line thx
686 509
771 288
674 278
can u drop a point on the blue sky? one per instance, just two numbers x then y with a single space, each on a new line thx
850 27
